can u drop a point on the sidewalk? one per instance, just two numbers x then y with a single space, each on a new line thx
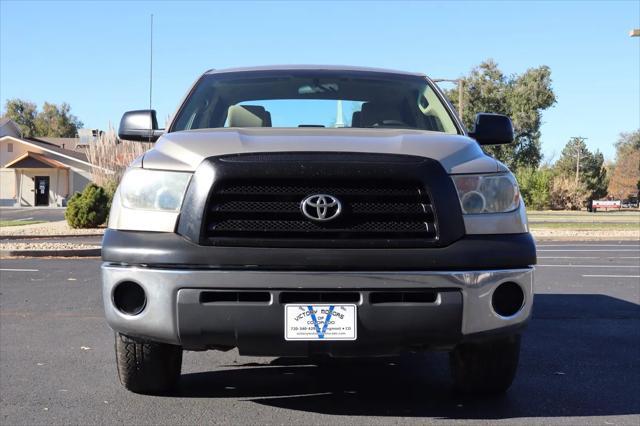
52 239
545 234
59 228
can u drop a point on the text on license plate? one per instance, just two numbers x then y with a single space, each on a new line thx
320 322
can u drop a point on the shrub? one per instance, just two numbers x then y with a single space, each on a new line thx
89 208
110 188
535 185
567 194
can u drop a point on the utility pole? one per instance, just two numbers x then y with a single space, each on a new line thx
578 168
339 115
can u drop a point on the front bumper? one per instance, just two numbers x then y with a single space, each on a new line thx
176 312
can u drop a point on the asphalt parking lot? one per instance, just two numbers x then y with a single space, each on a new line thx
580 360
48 214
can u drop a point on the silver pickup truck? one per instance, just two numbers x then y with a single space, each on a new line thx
316 211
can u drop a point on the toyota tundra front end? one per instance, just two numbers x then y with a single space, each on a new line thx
310 210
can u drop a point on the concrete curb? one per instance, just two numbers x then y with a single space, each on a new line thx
35 237
85 252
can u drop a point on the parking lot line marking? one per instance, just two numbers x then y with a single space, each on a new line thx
588 257
593 266
18 270
603 250
612 276
589 245
572 257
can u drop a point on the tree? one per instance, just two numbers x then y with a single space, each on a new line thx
625 180
598 181
628 142
577 160
23 113
53 121
57 121
521 97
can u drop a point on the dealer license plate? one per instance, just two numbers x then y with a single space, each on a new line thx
320 322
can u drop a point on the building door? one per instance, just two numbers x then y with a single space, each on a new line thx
42 191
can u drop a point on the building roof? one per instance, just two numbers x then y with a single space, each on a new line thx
313 68
8 127
65 143
48 147
32 160
57 149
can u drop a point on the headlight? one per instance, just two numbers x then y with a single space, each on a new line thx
497 193
153 189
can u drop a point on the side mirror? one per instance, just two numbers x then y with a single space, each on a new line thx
140 126
492 129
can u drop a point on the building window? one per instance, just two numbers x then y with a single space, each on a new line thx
9 147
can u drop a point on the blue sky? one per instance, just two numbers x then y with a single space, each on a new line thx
94 55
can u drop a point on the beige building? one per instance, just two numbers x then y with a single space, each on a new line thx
34 172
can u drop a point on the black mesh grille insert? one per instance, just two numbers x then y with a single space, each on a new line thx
317 297
209 297
381 297
252 214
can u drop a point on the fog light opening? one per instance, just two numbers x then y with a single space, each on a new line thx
129 298
507 299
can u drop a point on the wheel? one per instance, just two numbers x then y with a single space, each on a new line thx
147 367
487 367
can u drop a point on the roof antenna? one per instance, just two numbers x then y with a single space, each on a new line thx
151 63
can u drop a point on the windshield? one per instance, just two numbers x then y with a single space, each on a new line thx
329 100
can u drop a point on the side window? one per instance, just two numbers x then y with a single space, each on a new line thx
9 147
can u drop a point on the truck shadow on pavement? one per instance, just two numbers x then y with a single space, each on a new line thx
580 357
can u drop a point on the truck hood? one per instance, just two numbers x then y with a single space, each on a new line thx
185 150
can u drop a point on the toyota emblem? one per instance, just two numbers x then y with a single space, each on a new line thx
321 207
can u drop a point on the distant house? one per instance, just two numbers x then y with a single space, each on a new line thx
39 171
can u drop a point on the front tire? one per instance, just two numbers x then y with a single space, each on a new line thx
486 367
147 367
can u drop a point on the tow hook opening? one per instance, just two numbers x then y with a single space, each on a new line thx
507 299
129 298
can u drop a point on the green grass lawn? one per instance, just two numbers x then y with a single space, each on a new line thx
4 223
575 217
600 213
585 226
